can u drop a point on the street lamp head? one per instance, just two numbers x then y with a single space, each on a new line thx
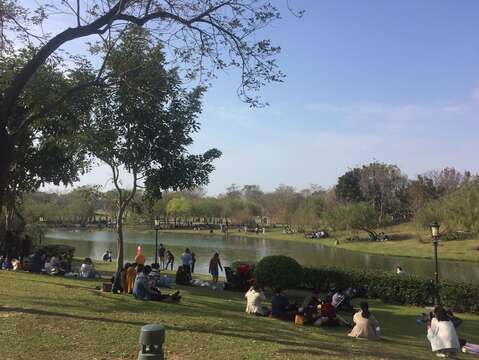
435 229
157 222
41 219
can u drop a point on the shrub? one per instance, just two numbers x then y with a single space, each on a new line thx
404 289
279 271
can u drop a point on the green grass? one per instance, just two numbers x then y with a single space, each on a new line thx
45 317
405 242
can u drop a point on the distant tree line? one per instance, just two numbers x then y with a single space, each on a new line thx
366 197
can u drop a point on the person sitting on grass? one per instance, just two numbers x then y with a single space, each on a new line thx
280 306
442 335
131 273
154 275
124 281
328 315
341 300
87 269
143 291
254 296
365 324
6 264
53 267
310 308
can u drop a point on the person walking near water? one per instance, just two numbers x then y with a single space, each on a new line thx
170 259
215 265
193 262
161 255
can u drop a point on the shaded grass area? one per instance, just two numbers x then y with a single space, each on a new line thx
405 242
45 317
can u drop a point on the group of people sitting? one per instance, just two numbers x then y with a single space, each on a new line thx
144 282
440 324
38 262
314 311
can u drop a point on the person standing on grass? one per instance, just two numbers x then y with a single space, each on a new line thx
215 265
170 259
193 262
161 255
186 260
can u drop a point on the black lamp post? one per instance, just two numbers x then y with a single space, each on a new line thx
41 220
157 227
435 238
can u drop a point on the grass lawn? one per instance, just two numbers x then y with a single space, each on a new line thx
43 317
404 242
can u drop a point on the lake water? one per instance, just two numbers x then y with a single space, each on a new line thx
93 243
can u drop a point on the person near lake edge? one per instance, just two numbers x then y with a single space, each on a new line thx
170 260
186 260
161 255
365 324
215 266
193 262
441 333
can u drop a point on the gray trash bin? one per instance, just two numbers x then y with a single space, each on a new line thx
152 338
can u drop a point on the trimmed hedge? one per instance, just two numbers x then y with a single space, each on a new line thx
392 288
278 271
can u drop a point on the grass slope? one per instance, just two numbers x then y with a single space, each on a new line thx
46 317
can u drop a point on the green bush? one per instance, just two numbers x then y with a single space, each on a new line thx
279 271
404 289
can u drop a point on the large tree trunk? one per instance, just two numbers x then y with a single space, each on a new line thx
6 159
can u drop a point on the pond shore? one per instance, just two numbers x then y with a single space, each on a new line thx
408 246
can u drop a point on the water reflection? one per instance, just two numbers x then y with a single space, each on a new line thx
93 243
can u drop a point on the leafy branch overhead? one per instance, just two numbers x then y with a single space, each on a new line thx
203 36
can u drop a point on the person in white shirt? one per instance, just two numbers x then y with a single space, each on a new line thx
186 259
254 296
442 335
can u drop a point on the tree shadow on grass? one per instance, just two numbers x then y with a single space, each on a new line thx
69 316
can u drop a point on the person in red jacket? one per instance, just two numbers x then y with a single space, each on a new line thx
328 315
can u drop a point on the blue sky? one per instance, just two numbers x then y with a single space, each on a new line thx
393 81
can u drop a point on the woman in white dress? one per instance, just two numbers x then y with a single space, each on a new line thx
442 335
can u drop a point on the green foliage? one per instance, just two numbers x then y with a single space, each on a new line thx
348 187
178 206
351 217
400 289
458 211
279 271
